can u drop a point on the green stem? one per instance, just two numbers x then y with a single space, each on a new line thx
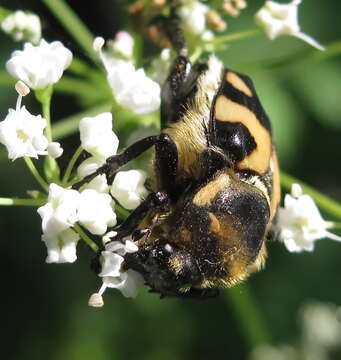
325 203
36 174
44 96
73 24
233 37
47 116
86 238
21 202
71 164
121 212
249 316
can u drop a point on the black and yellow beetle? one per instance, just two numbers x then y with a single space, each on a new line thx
217 182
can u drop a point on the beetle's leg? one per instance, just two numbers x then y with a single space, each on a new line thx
156 201
113 163
166 164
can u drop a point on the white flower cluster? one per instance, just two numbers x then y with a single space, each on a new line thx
282 19
100 141
36 66
22 26
131 88
92 206
112 274
301 223
63 209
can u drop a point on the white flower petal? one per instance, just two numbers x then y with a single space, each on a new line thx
61 247
95 211
88 166
39 66
128 188
111 264
97 136
60 212
54 150
127 283
134 90
131 88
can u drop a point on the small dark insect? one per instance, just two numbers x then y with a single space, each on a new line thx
217 181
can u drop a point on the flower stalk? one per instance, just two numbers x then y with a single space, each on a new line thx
234 37
20 202
36 173
71 165
249 316
86 238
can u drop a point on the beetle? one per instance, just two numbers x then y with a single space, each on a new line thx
217 181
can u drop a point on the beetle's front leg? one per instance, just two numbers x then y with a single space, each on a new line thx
113 163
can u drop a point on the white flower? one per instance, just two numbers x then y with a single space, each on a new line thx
23 133
193 16
282 19
95 211
301 223
39 66
128 188
112 256
131 87
60 211
134 89
128 283
97 136
22 26
54 149
112 274
61 247
89 166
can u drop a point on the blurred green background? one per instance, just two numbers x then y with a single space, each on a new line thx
44 312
